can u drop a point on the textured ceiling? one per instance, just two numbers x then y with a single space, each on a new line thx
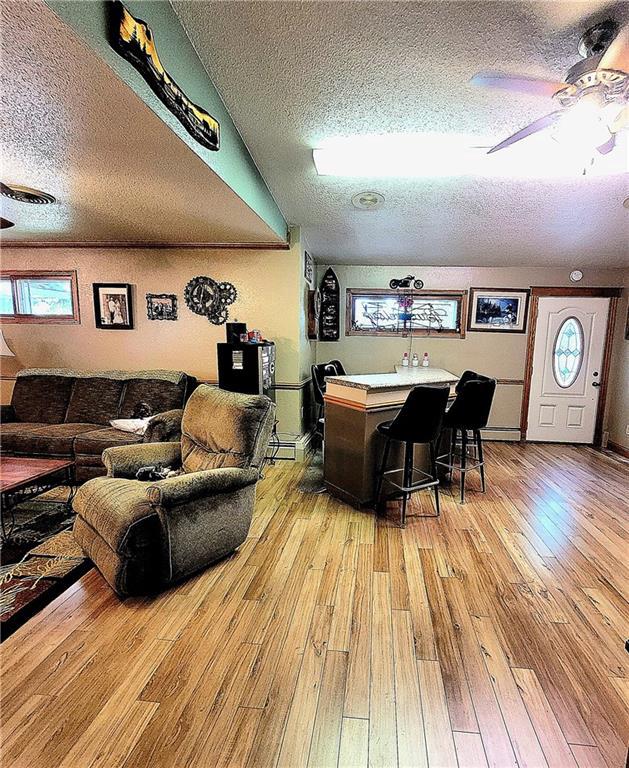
70 127
295 73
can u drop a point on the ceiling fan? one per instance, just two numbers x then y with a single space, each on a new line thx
593 99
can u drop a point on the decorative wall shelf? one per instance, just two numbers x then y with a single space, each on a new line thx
330 317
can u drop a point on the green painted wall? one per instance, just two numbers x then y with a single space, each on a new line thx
232 162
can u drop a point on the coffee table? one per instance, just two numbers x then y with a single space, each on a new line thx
21 479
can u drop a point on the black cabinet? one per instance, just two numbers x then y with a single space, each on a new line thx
247 368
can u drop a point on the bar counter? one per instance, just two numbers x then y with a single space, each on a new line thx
354 406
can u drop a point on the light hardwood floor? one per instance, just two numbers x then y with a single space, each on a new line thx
491 636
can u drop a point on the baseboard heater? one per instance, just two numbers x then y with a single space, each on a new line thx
506 434
290 447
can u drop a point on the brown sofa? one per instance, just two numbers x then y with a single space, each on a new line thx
143 536
60 413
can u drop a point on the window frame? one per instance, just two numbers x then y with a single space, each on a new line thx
572 375
459 295
36 274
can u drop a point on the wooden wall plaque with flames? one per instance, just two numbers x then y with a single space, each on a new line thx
133 40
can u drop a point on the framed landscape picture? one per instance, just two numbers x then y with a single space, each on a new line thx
161 306
113 306
500 310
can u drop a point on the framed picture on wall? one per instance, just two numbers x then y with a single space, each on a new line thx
161 306
498 310
308 268
113 306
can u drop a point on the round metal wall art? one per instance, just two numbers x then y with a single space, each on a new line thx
207 297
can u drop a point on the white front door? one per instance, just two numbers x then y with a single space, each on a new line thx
567 360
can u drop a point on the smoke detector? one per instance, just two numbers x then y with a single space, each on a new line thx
368 201
25 194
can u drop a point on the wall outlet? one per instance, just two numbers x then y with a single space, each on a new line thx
627 430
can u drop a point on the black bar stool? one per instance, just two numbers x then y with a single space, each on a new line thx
468 413
318 374
418 422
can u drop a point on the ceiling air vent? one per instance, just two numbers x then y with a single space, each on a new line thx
26 194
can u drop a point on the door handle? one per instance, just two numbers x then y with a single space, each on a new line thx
596 383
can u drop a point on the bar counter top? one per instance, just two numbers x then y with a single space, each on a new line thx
400 380
373 390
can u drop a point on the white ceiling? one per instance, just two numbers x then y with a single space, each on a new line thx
295 73
71 127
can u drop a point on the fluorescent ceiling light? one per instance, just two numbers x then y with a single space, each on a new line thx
433 156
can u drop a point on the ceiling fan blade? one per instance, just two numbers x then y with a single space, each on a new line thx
620 121
617 54
607 147
534 127
517 83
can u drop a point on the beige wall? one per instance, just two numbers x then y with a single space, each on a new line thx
272 296
268 283
499 355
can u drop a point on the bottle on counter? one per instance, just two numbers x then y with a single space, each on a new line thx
426 360
405 359
415 361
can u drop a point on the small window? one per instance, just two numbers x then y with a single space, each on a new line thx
39 297
400 313
568 352
6 297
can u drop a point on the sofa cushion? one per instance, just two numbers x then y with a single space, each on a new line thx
95 399
86 471
94 443
12 433
159 394
42 398
52 439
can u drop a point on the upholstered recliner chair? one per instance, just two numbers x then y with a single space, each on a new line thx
143 536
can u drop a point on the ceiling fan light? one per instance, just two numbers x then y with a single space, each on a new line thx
583 127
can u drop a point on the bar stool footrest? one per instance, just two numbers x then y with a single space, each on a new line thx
430 483
458 465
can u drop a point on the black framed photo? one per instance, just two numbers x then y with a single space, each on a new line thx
161 306
308 268
498 310
113 306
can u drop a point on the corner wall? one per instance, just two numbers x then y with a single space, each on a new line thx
618 389
500 355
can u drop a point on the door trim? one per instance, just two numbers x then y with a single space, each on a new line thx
542 291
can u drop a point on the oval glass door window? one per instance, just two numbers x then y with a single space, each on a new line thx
568 352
